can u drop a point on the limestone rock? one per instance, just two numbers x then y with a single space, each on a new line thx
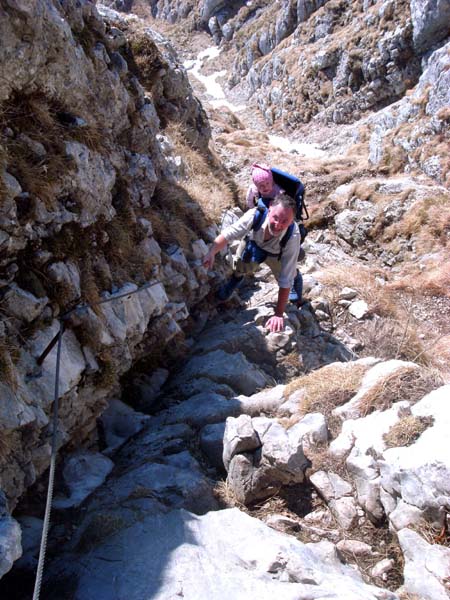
271 459
354 548
358 309
10 543
83 472
23 305
265 563
430 22
119 422
232 369
239 437
419 474
426 566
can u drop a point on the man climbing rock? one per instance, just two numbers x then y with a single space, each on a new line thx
268 235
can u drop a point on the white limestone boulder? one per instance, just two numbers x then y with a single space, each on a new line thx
272 458
119 422
200 409
73 364
220 555
427 567
10 543
22 304
83 472
239 437
420 474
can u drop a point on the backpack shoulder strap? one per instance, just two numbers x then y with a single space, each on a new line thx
284 240
287 236
258 219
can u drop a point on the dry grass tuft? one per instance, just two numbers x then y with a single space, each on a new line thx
384 545
322 460
108 375
180 214
5 446
38 176
3 161
8 373
89 289
174 216
407 431
390 338
393 332
431 534
226 497
207 186
212 196
379 298
325 389
428 221
432 281
335 380
144 59
33 119
405 384
394 159
342 376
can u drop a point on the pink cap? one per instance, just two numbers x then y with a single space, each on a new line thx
261 174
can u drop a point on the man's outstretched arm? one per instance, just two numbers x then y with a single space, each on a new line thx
276 323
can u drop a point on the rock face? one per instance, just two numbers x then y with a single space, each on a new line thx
261 456
332 61
427 110
261 561
337 62
330 68
82 156
431 22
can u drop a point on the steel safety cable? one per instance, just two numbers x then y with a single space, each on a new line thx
51 477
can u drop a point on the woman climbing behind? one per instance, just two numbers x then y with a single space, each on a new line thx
262 186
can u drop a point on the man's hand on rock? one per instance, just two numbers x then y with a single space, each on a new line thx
208 260
275 324
219 244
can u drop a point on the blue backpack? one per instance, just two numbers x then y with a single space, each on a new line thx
296 190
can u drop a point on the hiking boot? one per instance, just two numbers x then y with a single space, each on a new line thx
295 295
225 292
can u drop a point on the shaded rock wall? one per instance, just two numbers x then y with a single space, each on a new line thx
83 158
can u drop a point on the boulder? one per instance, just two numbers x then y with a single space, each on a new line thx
196 554
426 566
83 472
431 22
231 369
272 458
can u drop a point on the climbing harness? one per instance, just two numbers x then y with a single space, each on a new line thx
54 450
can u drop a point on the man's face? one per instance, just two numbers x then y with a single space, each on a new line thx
264 188
279 218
